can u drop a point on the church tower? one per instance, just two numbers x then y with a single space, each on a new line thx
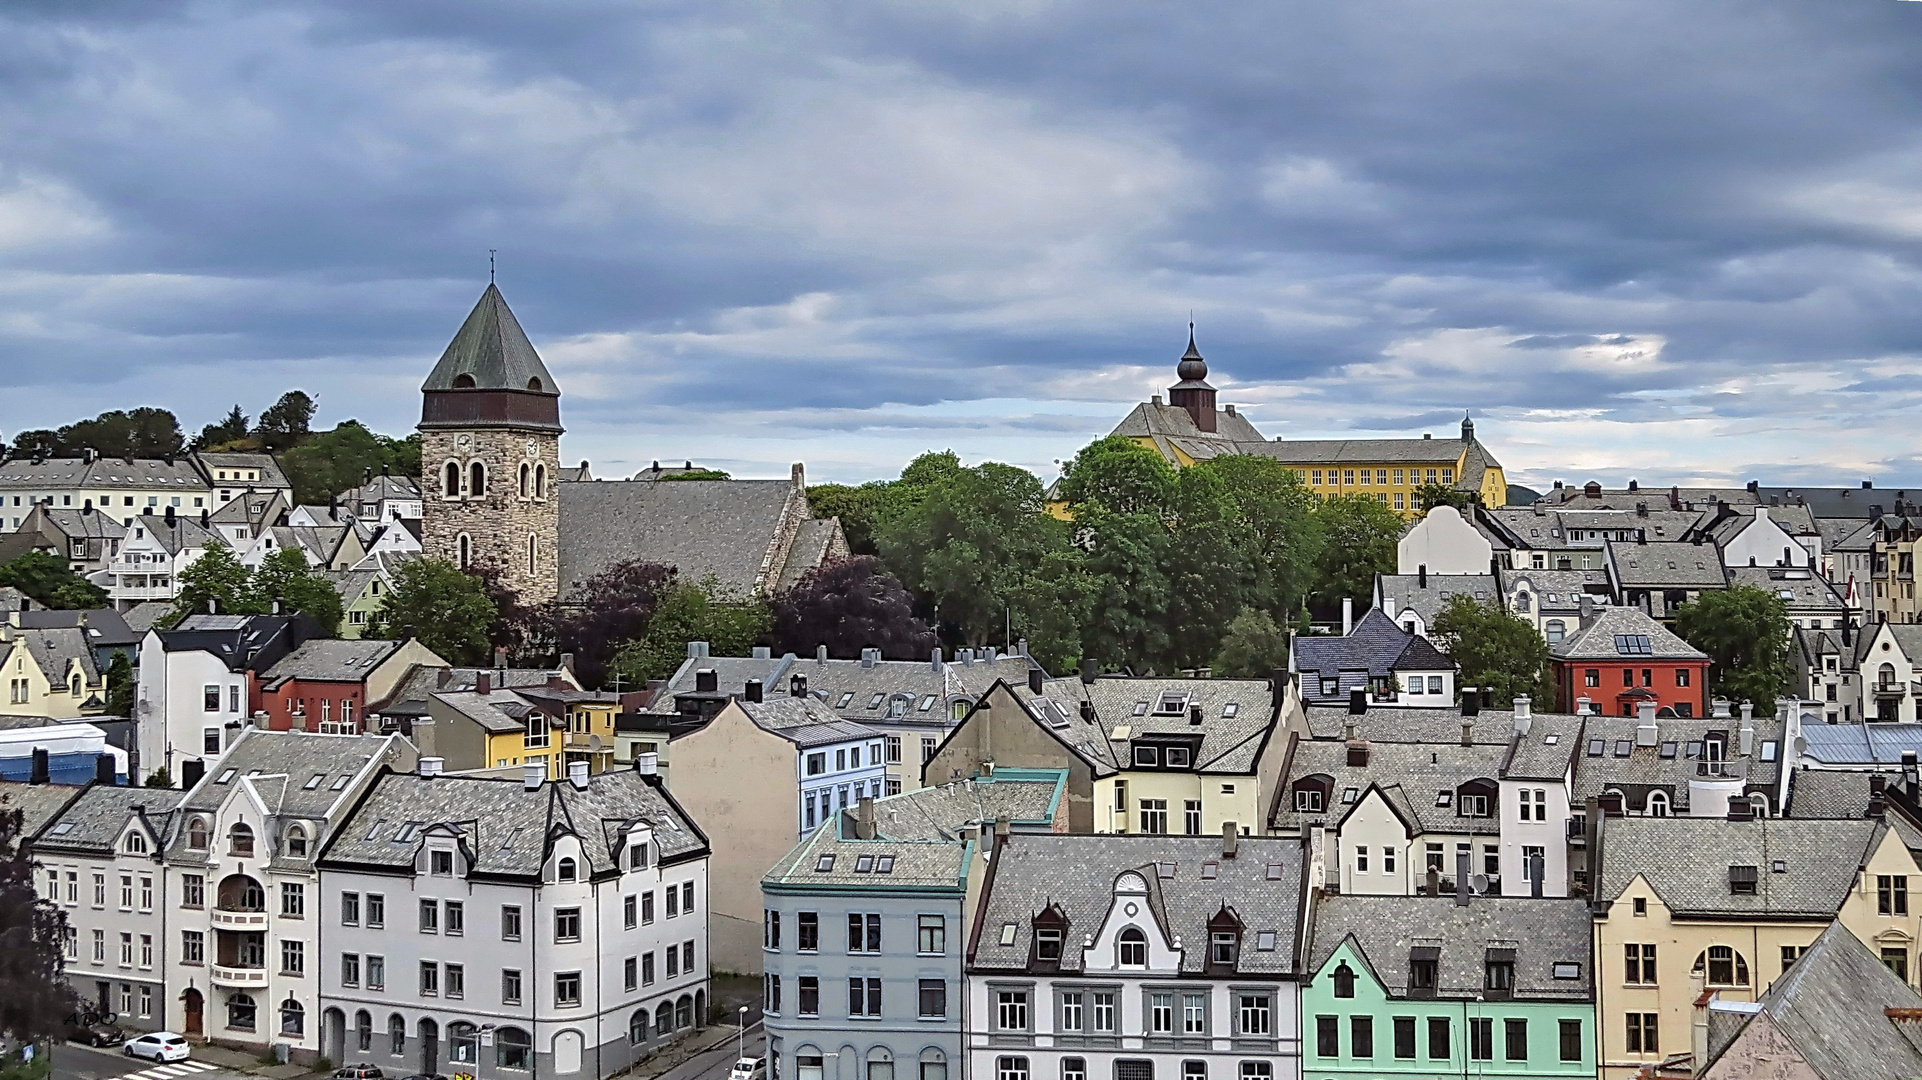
490 427
1193 392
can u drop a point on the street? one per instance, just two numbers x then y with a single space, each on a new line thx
71 1061
714 1064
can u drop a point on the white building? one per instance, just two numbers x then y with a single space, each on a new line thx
1759 540
99 859
243 958
195 690
1442 542
512 927
152 555
1133 958
117 487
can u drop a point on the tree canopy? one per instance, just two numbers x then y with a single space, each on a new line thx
606 612
283 578
144 433
327 463
447 609
703 611
1254 647
35 999
1745 632
47 581
1359 537
849 605
1496 651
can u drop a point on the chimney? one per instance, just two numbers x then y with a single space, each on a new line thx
1586 606
190 773
1002 826
1230 839
1034 680
647 764
1719 708
753 690
934 660
820 654
1278 686
1421 576
1357 701
104 770
1087 711
1646 733
533 774
577 774
1745 738
966 656
1471 702
1740 809
1358 753
483 682
1584 705
1194 716
797 686
1461 879
431 766
1468 732
442 677
1347 615
1611 804
1633 486
1909 768
763 652
170 517
706 681
567 662
1090 670
1535 870
500 657
1020 647
1524 719
1434 882
864 818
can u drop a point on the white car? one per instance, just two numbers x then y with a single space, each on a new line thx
749 1069
162 1046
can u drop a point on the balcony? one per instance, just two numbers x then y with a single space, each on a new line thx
593 744
237 920
223 975
145 590
1890 689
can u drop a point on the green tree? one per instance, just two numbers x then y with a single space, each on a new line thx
1745 632
1279 513
705 611
1359 535
35 999
284 578
328 463
1252 648
47 581
120 685
1212 568
447 609
1429 496
223 434
1495 650
285 422
1120 496
855 506
137 433
216 576
1118 475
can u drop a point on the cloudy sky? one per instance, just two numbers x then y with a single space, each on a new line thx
1634 237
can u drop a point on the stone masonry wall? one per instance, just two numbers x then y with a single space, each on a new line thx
498 521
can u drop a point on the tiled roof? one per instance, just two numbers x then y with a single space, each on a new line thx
1545 935
1408 591
37 803
142 616
1819 861
331 660
493 351
1675 758
1262 885
55 649
183 534
813 539
104 626
508 828
1801 589
298 758
1665 565
1412 776
1557 591
1375 648
723 528
833 682
804 721
102 472
83 522
1548 749
1358 451
1409 725
1834 793
93 820
1598 639
498 712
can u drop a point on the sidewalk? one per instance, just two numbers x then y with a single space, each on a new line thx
676 1054
242 1061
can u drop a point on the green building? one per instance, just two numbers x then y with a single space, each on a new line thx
1427 988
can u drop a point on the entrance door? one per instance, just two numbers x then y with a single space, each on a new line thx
103 994
429 1047
195 1006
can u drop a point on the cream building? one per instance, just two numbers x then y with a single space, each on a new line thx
51 673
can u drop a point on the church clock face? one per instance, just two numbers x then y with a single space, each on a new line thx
533 448
465 441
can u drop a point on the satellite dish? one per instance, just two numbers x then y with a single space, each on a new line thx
1480 881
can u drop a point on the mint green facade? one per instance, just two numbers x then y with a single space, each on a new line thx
1442 1024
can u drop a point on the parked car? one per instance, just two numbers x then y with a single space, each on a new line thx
361 1071
95 1033
161 1046
749 1069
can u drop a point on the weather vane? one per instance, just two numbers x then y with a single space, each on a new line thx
490 265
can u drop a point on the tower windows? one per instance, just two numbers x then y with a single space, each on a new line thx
534 384
540 481
476 481
464 551
533 551
450 480
526 477
463 382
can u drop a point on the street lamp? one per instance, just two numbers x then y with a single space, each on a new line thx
740 1036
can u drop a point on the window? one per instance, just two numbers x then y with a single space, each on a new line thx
1191 817
1570 1040
1010 1068
349 969
647 908
1404 1036
1681 676
567 924
193 890
1438 1038
566 870
429 978
1515 1039
293 956
193 947
396 1034
808 997
1896 959
933 935
1892 894
1011 1010
510 923
510 986
241 841
1481 1038
1344 980
1223 946
894 749
864 997
1131 948
647 969
807 931
1308 800
1194 1014
1638 964
442 863
1161 1014
376 972
933 999
1499 974
1328 1036
1154 816
864 933
1101 1012
1361 1036
1047 944
1642 1037
1725 966
567 989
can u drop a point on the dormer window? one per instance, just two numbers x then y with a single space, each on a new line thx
1344 979
1131 948
1177 757
637 856
296 842
1223 947
1047 945
442 863
240 841
1498 973
566 870
197 834
1172 703
1741 880
136 844
1423 960
1147 755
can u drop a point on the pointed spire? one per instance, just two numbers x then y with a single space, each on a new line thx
1192 367
491 352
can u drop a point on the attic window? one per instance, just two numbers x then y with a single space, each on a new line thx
1741 880
63 828
1597 747
1349 795
1274 871
864 864
339 782
1007 934
926 704
1165 870
313 782
1265 941
1778 867
824 864
407 832
1567 971
1229 710
1172 703
875 701
1210 871
1769 748
1669 749
1632 645
374 832
884 864
226 776
1552 739
1623 747
845 698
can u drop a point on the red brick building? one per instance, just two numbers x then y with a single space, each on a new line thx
1619 657
324 685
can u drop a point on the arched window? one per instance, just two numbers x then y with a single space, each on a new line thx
463 1042
450 480
934 1064
684 1012
241 1011
533 551
364 1031
1761 804
476 480
534 384
527 476
296 842
240 840
136 844
664 1019
197 834
396 1034
238 892
1885 677
1554 630
293 1018
637 1027
463 382
1131 948
73 686
1725 966
565 871
1344 981
464 551
880 1064
1523 602
540 481
513 1049
1658 804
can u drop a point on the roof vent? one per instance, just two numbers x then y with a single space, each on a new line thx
533 774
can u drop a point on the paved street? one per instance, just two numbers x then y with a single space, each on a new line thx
74 1062
714 1064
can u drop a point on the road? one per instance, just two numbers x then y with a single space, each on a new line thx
72 1061
714 1064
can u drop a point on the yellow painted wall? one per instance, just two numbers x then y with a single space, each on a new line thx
1242 806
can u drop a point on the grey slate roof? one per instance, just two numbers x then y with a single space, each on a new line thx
804 721
298 758
1832 1007
54 649
104 627
331 660
1384 724
79 523
142 616
1230 744
1411 776
507 828
1834 793
1575 529
1376 647
813 541
1596 641
37 803
497 712
1682 739
1557 591
1806 591
1665 566
723 528
1547 751
492 348
1820 860
102 473
1078 872
93 820
1407 591
1543 933
183 534
1355 451
1170 425
833 681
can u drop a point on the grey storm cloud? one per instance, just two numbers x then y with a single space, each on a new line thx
1678 240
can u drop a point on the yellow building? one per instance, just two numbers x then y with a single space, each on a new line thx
1189 427
50 673
488 728
1694 906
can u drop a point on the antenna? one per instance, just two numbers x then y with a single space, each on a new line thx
490 265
